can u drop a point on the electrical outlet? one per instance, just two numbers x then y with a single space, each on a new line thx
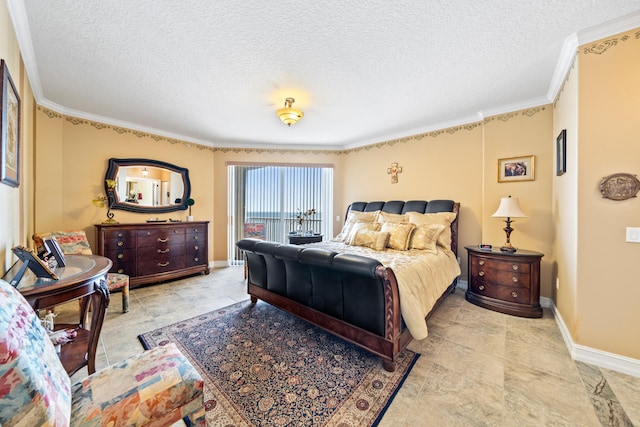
337 218
557 283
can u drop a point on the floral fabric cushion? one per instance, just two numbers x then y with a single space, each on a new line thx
159 385
398 234
71 242
35 389
425 236
442 218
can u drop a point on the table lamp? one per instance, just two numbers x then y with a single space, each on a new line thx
509 208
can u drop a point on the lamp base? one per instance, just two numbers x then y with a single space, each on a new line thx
509 249
110 221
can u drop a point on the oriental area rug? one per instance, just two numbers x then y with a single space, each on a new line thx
263 366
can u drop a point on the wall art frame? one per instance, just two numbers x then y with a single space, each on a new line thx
514 169
561 153
10 125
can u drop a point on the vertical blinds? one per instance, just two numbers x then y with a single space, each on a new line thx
272 195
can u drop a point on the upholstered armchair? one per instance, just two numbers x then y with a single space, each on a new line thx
158 387
75 242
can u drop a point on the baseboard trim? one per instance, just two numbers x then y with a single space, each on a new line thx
581 353
219 264
603 359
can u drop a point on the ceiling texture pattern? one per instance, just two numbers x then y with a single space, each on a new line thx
362 71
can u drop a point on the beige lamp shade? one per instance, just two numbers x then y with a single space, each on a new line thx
509 208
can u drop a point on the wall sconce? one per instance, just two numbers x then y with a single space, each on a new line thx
509 208
145 172
288 114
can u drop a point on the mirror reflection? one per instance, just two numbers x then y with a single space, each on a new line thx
148 185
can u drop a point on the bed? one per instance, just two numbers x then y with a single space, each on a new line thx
375 283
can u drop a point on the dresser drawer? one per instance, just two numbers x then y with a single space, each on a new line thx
196 258
162 251
119 243
516 267
503 277
121 255
128 268
120 234
160 266
160 237
503 293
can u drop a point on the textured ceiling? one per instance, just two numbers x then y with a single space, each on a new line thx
363 71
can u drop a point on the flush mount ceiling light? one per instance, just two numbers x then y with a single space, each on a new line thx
288 114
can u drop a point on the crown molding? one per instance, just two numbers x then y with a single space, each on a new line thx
609 28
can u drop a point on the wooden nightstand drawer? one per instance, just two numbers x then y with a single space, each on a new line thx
505 282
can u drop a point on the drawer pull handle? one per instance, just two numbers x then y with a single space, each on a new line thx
196 247
175 231
119 234
515 267
120 256
120 270
148 233
195 237
163 264
481 262
481 273
196 259
162 240
514 294
195 230
163 251
515 280
120 244
481 287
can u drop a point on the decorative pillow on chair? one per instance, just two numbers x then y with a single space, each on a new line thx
35 388
425 236
439 218
398 234
376 240
71 242
352 218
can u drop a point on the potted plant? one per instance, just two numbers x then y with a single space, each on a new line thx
190 202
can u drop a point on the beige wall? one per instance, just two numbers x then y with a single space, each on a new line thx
609 142
16 203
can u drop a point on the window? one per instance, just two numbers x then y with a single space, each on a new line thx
264 201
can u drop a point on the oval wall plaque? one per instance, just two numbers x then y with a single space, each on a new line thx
619 186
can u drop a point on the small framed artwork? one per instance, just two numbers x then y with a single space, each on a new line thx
561 153
10 125
516 169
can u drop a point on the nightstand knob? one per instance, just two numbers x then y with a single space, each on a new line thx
120 271
481 273
481 262
515 267
515 280
514 294
481 287
120 256
120 244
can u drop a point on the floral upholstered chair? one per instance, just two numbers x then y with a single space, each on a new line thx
158 387
75 242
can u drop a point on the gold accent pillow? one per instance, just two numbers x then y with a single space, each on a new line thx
438 218
352 218
398 234
391 217
425 236
376 240
361 226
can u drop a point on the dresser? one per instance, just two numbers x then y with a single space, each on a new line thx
154 252
505 282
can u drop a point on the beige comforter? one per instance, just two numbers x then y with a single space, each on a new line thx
422 278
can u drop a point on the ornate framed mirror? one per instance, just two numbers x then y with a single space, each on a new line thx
148 186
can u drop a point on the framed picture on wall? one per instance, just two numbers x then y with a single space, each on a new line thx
516 169
10 125
561 153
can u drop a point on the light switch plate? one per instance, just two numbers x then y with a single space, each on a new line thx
633 234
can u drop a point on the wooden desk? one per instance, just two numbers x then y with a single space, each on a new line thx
84 278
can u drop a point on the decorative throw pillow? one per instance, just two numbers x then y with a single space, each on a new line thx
376 240
352 218
398 234
439 218
361 226
391 217
425 236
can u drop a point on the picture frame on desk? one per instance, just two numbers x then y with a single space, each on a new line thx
31 261
10 126
51 245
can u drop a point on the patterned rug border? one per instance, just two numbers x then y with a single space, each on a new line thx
404 366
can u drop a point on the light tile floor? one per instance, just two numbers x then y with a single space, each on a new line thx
477 367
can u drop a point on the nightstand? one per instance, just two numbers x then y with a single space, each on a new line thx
505 282
301 240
